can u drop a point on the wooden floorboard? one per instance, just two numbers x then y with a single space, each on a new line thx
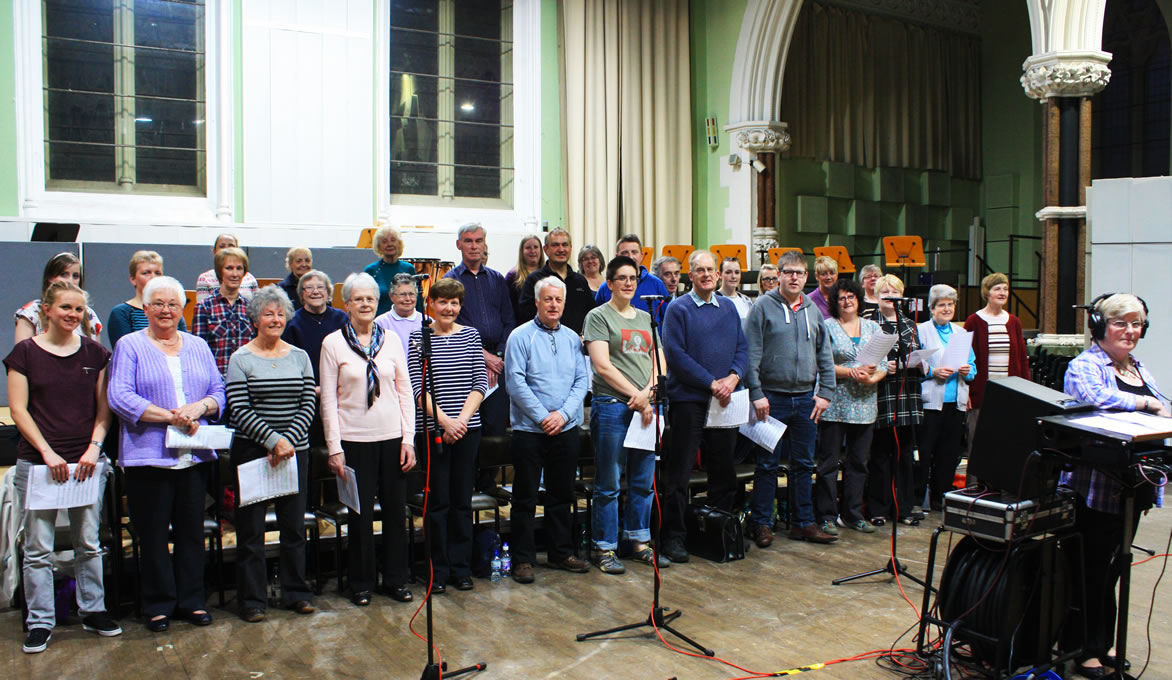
772 611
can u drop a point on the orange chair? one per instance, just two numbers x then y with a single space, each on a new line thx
681 253
904 251
839 255
366 238
730 250
648 256
265 282
338 301
776 253
189 309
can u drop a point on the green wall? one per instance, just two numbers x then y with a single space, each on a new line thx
9 194
553 176
715 27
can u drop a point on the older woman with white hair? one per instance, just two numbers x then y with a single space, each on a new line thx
309 327
272 399
1108 375
945 393
161 377
869 276
369 419
387 244
404 318
299 261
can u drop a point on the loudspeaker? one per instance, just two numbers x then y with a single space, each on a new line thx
1006 435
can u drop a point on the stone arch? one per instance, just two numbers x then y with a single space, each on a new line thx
759 62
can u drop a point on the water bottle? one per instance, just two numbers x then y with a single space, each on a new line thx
274 588
495 566
506 561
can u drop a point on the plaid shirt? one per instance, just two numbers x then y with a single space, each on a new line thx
897 408
1090 377
224 326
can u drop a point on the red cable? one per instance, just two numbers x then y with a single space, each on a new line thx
423 518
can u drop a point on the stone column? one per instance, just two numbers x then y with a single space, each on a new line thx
762 140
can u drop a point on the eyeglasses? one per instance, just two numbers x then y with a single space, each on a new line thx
625 279
1122 325
846 298
311 289
793 272
169 306
768 279
404 294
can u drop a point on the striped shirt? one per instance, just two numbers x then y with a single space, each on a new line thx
999 344
457 366
272 398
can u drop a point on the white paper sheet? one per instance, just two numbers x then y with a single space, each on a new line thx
920 356
956 353
764 433
733 415
206 437
348 490
875 351
45 494
640 437
1131 424
260 481
1151 421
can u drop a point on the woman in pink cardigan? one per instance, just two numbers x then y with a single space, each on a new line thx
369 422
998 344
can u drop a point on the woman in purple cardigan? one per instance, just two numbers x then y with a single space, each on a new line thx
161 377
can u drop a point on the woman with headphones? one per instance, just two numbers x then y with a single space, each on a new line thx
1109 376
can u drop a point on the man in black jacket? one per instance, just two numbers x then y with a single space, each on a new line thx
579 297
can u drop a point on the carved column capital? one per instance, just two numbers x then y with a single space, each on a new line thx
760 136
1066 74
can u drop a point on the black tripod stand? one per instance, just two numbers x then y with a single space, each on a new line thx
894 567
660 617
434 445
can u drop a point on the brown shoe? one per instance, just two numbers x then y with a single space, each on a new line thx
523 573
572 563
763 536
811 533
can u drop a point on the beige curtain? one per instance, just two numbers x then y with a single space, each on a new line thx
626 89
878 92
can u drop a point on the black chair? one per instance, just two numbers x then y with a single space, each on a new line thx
331 510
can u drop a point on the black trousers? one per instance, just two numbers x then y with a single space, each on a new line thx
854 474
558 457
449 515
687 431
251 575
940 448
888 459
1102 540
379 474
162 499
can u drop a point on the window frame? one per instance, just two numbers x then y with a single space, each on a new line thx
216 205
407 211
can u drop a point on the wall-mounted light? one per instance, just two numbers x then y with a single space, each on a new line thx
758 166
468 106
734 160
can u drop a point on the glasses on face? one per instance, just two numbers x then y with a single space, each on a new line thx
625 279
846 298
768 279
313 289
1122 325
169 306
404 294
793 273
704 270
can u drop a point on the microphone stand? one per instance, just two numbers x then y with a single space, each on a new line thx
894 567
660 617
433 670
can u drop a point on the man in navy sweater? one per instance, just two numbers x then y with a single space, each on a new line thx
707 354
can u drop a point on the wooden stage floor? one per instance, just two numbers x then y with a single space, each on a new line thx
773 611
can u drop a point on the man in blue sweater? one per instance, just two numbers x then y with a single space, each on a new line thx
630 246
707 354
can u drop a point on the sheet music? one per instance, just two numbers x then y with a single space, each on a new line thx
920 356
260 481
46 494
348 490
876 349
956 353
640 437
764 433
1151 421
206 437
1105 422
733 415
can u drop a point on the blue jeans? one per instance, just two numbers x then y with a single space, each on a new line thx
39 526
794 410
609 420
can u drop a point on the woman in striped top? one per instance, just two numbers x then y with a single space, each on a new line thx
457 367
370 425
998 344
130 316
271 399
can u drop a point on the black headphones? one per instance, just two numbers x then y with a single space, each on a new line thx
1098 324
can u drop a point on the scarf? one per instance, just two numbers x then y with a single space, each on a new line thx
373 389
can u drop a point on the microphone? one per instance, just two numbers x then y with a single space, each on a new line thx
653 298
898 299
420 277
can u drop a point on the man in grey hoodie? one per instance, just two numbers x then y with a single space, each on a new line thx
790 377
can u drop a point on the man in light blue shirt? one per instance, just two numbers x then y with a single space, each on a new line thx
547 380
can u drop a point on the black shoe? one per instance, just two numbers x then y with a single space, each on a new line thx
674 550
361 599
252 614
398 593
1109 660
302 607
102 624
203 618
158 625
438 588
464 583
1092 672
37 640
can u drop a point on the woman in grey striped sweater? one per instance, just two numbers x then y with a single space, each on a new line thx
271 400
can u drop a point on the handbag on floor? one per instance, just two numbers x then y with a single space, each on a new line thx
714 534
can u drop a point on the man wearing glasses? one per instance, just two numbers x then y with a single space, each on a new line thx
790 376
